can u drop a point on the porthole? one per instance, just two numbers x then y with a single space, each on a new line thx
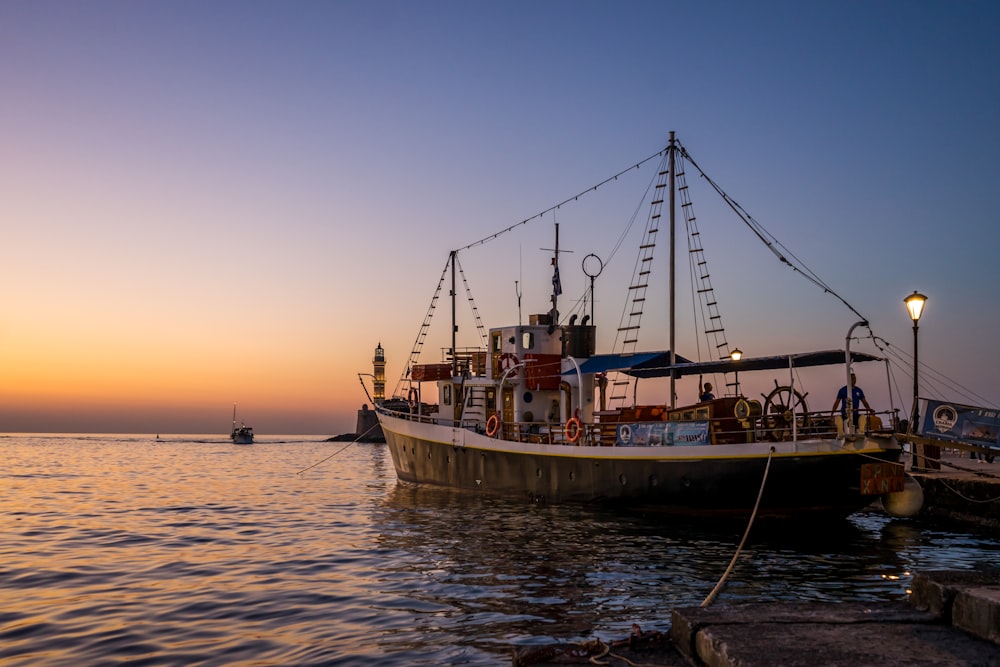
654 480
538 473
622 479
572 475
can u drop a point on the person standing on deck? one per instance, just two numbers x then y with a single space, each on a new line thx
706 394
858 397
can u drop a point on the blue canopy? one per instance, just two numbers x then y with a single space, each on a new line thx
602 363
799 360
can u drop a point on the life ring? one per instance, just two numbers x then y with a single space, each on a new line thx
492 425
508 361
573 429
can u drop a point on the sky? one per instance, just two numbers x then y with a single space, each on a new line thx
209 204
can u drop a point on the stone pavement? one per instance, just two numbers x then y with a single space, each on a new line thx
952 620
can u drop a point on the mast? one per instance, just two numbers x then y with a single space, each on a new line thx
556 284
454 318
673 355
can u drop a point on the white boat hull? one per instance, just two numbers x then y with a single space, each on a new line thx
805 477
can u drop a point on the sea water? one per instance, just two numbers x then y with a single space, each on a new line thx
188 550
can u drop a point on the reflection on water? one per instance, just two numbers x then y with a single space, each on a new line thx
195 551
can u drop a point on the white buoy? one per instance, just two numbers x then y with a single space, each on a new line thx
905 503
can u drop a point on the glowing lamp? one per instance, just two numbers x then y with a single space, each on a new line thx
915 305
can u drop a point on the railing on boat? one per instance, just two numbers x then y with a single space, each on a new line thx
817 425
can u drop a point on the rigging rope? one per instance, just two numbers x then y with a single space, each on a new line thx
930 376
357 439
772 243
418 344
491 237
475 311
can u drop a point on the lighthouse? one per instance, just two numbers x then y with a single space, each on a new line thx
379 371
368 428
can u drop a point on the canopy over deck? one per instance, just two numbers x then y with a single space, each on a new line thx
657 364
602 363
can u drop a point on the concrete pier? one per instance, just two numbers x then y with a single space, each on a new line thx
965 490
952 620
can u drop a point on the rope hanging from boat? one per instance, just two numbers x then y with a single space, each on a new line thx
753 515
356 440
772 243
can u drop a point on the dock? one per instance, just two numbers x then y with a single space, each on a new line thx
963 489
951 619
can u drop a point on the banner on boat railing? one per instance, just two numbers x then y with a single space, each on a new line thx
967 423
651 434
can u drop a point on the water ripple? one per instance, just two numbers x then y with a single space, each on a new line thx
189 551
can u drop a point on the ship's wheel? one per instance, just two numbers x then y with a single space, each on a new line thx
783 407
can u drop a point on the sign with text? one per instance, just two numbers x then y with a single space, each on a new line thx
654 434
966 423
879 478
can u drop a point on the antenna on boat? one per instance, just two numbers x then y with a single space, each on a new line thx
594 269
556 282
517 291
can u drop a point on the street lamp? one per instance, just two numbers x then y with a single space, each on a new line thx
736 355
915 307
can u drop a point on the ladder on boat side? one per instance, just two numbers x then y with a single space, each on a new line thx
418 344
707 303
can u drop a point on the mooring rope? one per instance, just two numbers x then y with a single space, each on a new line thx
357 439
753 515
965 497
974 471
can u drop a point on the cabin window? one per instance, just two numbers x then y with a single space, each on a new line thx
497 342
491 399
527 340
446 395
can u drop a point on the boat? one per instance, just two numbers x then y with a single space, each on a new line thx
534 412
242 434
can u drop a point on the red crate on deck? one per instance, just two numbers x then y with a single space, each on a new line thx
430 372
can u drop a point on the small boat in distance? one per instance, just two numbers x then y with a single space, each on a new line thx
534 412
242 434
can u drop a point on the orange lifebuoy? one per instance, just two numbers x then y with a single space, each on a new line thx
492 425
508 361
573 429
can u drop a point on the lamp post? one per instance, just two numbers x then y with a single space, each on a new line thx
736 355
915 307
